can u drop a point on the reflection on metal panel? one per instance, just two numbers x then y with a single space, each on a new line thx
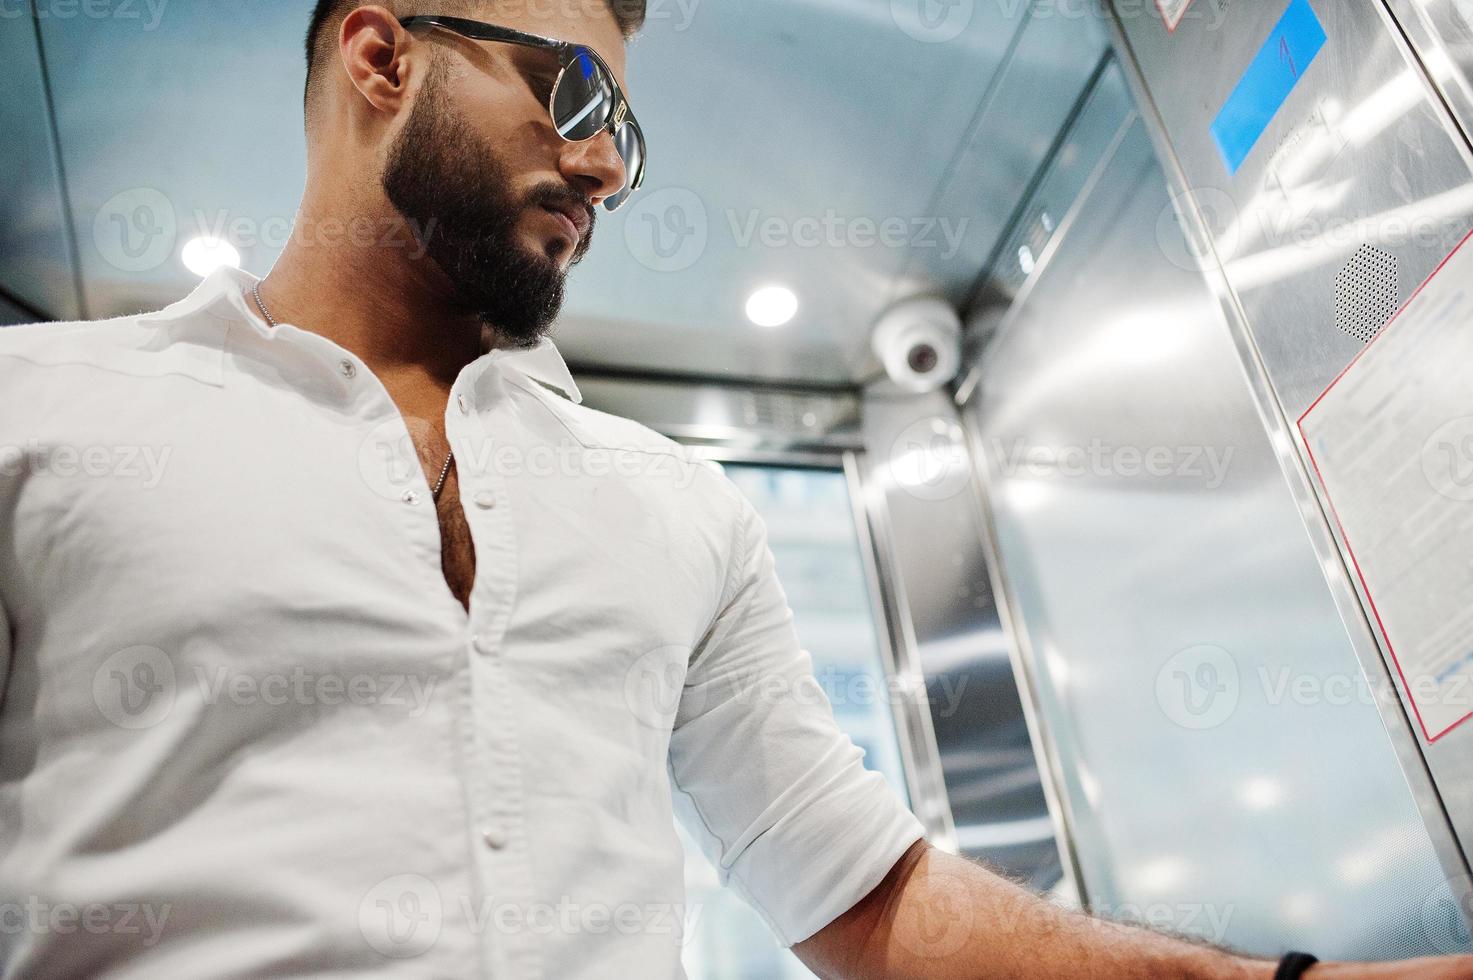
1362 172
1226 770
1060 185
749 418
1441 32
909 702
34 251
1046 72
918 466
1358 154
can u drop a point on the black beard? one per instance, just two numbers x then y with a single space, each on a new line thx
453 190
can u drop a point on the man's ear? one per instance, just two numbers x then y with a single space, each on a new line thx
377 54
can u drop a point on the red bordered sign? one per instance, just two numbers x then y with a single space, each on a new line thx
1172 12
1432 728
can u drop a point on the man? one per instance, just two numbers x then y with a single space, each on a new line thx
389 666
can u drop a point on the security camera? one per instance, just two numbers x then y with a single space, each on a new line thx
919 343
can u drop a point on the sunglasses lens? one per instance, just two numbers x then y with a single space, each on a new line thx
583 100
630 144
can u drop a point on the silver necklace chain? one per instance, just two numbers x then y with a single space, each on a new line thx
256 291
444 472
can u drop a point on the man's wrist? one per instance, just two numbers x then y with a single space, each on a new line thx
1244 968
1294 965
1280 969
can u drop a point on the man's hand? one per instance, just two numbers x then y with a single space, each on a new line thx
940 917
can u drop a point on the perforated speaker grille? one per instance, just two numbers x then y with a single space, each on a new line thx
783 412
1366 293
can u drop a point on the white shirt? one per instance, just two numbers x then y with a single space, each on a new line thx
247 730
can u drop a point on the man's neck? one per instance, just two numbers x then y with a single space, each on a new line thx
364 284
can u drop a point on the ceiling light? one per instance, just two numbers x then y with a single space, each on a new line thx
1025 260
772 306
1260 793
205 254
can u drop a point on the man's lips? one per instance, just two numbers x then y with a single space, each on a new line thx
572 227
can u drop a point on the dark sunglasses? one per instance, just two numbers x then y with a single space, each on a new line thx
585 101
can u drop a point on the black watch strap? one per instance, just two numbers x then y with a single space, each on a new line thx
1293 966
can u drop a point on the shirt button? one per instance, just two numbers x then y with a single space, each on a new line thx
485 500
349 369
494 838
410 497
465 408
482 643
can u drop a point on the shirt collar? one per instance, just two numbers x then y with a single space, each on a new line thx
545 365
222 294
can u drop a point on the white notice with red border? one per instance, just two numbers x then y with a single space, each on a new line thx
1172 11
1392 441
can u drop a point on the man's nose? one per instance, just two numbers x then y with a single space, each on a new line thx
594 167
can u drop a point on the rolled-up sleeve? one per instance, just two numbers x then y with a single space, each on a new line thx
764 778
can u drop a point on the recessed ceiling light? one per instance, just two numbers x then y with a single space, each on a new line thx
1025 260
772 306
205 254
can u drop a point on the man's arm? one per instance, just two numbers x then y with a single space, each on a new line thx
936 916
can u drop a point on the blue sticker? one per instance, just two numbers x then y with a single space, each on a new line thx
1265 86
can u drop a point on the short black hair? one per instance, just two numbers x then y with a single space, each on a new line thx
630 15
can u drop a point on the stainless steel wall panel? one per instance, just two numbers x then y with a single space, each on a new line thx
1358 154
1107 105
1363 152
1441 33
1047 72
917 468
732 416
35 254
909 705
1225 771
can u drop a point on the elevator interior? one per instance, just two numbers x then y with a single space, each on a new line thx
1099 606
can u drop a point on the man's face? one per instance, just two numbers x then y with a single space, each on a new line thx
505 204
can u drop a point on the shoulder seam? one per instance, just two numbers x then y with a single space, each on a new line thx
674 449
